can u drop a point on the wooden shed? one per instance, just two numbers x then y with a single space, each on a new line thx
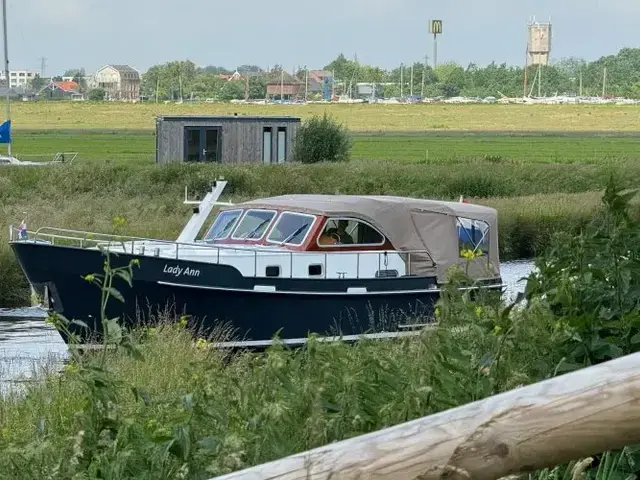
229 139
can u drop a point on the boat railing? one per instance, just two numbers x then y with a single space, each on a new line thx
127 244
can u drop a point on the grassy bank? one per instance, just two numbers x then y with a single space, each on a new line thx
533 200
138 146
378 117
163 406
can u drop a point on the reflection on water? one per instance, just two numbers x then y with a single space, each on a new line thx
27 342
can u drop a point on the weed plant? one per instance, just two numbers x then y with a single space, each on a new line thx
155 403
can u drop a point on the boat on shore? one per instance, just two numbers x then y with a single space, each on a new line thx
285 266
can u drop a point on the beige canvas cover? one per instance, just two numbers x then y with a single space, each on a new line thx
410 224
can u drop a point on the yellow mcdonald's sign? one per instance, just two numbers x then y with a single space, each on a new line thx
435 27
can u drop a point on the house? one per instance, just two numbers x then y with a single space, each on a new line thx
232 76
60 90
227 139
120 82
18 78
284 86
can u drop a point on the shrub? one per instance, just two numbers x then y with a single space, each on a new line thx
96 94
322 139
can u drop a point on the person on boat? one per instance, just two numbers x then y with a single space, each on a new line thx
345 238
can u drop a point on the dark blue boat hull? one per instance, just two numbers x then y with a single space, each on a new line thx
218 296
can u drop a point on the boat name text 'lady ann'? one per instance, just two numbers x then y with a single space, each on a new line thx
177 271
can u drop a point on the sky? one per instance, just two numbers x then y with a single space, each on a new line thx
141 33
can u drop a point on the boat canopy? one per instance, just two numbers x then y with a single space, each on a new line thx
440 228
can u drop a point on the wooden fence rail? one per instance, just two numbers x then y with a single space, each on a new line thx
568 417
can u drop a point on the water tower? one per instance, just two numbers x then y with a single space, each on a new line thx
538 43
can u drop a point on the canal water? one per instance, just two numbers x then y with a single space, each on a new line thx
28 343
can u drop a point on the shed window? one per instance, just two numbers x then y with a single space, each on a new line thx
223 225
291 228
282 144
253 224
349 232
473 235
266 144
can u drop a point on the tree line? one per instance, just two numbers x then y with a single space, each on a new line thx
614 75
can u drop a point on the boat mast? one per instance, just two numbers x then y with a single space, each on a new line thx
6 64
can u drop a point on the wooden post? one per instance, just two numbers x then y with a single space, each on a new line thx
542 425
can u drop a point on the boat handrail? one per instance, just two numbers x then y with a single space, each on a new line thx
83 238
113 238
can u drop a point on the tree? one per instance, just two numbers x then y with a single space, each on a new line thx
96 94
37 83
321 139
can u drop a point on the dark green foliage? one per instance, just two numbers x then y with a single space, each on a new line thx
592 282
96 94
321 139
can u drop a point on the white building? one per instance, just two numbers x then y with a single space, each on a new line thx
120 82
18 78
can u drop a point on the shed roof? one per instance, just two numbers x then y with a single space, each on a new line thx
240 118
411 224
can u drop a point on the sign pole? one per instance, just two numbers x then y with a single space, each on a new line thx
435 27
435 50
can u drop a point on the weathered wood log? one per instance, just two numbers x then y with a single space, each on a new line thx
542 425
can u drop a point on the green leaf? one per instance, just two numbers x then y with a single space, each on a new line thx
114 293
80 323
210 444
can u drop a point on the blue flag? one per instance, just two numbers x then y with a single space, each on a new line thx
5 132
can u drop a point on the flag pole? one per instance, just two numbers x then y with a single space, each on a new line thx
6 70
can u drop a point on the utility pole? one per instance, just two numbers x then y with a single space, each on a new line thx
401 80
604 82
411 87
6 65
282 85
581 82
43 66
424 72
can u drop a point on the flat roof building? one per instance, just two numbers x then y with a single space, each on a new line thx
225 139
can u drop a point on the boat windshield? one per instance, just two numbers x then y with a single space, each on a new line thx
223 225
253 224
291 228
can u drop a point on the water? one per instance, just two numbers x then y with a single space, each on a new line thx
27 342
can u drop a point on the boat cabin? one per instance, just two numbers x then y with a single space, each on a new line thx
422 237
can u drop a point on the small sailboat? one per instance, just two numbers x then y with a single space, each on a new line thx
5 128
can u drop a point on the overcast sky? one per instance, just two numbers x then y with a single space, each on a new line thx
141 33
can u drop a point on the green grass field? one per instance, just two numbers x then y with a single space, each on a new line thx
139 147
365 118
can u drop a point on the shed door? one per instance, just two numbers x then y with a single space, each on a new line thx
202 144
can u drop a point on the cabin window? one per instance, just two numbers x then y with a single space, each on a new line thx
253 224
266 144
473 236
291 228
223 225
282 144
349 232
